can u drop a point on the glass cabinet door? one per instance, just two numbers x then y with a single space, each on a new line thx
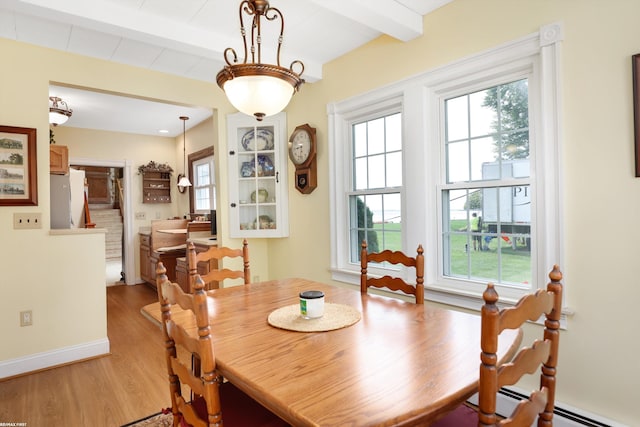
257 176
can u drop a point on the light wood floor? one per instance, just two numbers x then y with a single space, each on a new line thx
129 384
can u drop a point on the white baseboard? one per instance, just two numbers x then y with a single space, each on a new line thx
563 416
48 359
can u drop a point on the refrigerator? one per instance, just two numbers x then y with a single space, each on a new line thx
67 200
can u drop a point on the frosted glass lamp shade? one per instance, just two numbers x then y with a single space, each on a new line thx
59 111
255 88
259 95
184 182
57 118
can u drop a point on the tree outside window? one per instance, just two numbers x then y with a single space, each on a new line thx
375 198
486 200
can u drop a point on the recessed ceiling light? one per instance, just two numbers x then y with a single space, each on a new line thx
163 131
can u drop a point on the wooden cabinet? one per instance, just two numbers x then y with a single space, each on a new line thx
58 159
168 259
145 258
156 183
258 192
182 274
165 243
149 260
204 267
99 185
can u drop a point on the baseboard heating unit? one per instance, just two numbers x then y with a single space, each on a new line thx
563 415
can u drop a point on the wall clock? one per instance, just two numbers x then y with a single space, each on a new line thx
302 152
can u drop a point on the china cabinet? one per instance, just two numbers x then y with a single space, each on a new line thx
257 153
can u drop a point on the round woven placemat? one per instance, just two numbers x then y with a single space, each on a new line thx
336 316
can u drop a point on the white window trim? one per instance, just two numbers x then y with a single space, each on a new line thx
211 186
536 56
341 178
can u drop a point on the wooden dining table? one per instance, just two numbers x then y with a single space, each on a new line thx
401 364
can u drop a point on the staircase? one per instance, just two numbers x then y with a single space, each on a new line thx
111 220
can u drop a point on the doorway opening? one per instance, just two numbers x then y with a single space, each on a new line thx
108 197
105 195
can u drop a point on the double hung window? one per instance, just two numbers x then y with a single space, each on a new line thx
486 198
204 188
464 160
375 194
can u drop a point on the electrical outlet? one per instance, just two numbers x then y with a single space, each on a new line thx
256 278
27 220
26 318
141 215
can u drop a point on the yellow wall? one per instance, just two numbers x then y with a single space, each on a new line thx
598 371
62 278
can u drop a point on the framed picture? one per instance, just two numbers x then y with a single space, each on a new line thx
18 167
636 107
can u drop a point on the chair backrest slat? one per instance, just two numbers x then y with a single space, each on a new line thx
219 253
527 361
530 307
184 373
392 283
528 410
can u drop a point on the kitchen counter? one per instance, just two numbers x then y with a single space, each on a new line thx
203 241
158 245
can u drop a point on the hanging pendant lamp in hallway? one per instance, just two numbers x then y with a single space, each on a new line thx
183 180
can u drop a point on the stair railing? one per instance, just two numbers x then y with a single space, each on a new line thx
120 192
87 214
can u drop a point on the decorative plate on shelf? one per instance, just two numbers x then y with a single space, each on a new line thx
260 196
247 169
264 167
264 222
260 142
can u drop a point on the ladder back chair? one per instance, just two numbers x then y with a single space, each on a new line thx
213 399
393 283
542 354
218 253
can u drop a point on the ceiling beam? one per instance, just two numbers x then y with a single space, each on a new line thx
386 16
110 18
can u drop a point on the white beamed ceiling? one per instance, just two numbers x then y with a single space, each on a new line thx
188 37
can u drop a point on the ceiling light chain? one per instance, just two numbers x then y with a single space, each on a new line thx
183 180
252 87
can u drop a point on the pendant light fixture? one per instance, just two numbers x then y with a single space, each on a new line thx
59 111
255 88
183 181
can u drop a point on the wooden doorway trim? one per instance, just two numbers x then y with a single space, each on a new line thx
201 154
